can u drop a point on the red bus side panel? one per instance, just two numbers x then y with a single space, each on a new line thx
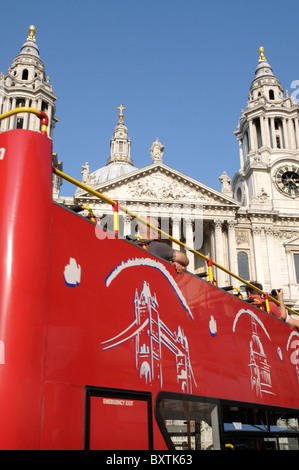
81 309
123 319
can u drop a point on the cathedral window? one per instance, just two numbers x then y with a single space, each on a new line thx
20 103
239 195
44 106
121 146
25 74
246 143
271 95
258 132
243 265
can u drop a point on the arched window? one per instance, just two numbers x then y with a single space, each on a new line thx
25 74
257 125
20 103
271 95
239 195
243 265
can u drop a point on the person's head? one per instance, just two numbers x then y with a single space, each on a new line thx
148 233
250 290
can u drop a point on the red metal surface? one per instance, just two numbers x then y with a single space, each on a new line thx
82 308
25 233
125 420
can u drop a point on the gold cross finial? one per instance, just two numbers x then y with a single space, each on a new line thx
262 57
121 116
31 36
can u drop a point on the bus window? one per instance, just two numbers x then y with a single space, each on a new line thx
201 423
188 422
281 421
249 427
246 419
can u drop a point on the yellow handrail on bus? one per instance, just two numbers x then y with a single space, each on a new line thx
92 216
40 114
209 261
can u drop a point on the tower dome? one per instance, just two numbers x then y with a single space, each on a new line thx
263 68
265 83
28 65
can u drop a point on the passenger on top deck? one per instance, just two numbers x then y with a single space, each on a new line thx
279 312
151 239
254 297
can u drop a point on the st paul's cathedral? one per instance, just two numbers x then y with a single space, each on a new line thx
251 226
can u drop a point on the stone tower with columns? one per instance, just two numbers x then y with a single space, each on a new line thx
267 183
268 136
26 85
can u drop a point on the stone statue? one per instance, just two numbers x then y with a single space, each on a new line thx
225 180
156 151
85 172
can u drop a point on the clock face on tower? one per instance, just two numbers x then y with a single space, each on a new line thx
287 180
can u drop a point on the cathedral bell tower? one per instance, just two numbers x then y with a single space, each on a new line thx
26 85
120 144
120 162
268 136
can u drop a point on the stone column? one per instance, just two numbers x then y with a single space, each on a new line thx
268 125
296 132
232 250
285 133
241 154
273 133
12 118
49 113
258 255
27 115
290 264
37 121
6 106
291 133
219 251
32 117
264 134
176 231
189 242
273 257
127 224
252 136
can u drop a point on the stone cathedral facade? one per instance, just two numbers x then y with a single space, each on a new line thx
251 226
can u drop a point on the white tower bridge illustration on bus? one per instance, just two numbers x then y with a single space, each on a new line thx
152 336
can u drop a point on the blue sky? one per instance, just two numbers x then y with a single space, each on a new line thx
181 68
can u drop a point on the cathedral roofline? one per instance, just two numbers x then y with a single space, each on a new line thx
155 167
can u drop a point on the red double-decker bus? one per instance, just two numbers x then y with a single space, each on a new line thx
105 346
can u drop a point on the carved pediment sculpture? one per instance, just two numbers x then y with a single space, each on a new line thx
159 186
